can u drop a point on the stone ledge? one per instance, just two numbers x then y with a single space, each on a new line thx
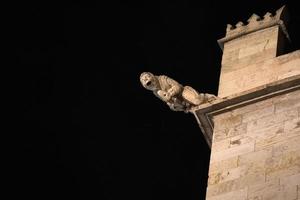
205 112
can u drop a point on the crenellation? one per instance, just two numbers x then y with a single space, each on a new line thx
253 19
249 47
268 16
256 23
239 24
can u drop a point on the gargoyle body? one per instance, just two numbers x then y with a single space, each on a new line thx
177 97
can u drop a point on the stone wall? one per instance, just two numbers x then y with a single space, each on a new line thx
234 80
256 151
251 48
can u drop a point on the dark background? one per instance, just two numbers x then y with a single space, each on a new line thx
88 129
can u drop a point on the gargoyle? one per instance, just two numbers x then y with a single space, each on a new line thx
177 97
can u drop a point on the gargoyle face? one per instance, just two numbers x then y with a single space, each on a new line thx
149 81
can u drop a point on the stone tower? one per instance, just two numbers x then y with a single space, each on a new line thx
254 128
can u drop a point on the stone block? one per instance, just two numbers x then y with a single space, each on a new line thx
225 175
253 175
216 167
229 132
254 43
291 101
220 145
253 107
293 70
257 114
286 164
271 120
232 152
266 136
282 172
256 157
286 146
227 122
289 192
274 135
239 140
292 180
225 187
257 48
237 77
257 191
233 195
292 127
282 193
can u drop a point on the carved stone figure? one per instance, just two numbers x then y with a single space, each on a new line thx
177 97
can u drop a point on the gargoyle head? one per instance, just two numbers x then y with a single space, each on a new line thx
149 81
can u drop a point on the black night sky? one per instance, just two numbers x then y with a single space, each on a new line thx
89 130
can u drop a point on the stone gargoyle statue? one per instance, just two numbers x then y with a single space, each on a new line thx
177 97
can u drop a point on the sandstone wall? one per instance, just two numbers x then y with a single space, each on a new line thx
234 80
256 151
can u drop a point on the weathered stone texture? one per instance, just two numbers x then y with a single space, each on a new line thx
223 165
255 129
246 77
234 195
228 131
250 49
256 151
283 165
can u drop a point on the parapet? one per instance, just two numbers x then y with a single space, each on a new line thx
248 50
256 23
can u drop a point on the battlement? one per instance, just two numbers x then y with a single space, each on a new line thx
248 47
256 23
